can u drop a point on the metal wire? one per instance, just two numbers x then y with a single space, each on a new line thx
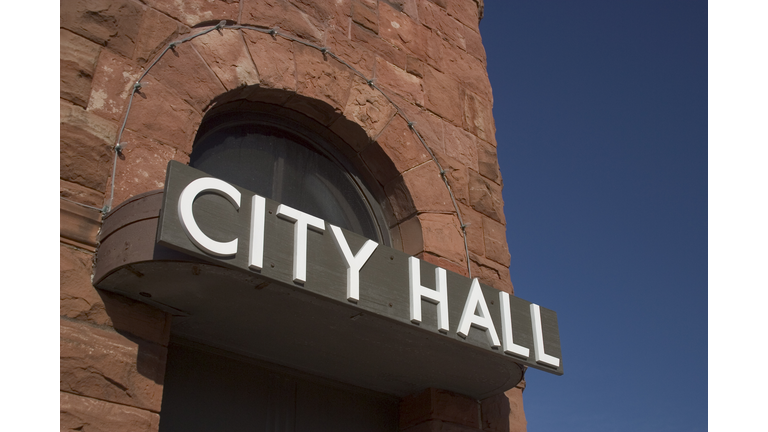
276 32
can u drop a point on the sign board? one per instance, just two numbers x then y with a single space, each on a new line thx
232 227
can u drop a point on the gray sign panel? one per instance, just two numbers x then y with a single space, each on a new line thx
205 218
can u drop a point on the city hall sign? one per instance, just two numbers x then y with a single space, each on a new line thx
224 224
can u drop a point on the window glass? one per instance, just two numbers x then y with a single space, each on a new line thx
289 164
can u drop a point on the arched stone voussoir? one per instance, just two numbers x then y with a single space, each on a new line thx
227 55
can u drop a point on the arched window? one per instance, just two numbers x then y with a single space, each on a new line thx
287 161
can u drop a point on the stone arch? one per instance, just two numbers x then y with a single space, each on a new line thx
231 65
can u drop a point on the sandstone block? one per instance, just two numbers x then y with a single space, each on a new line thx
491 273
488 161
457 175
81 194
79 225
373 42
443 96
504 412
114 24
141 167
85 147
280 13
273 58
442 237
365 16
226 54
322 77
427 189
414 66
427 124
393 79
444 25
475 46
112 84
351 52
465 11
333 15
485 197
194 13
106 365
434 404
399 196
475 236
462 146
467 70
157 31
477 117
185 72
496 241
412 236
401 30
160 114
85 414
368 108
77 63
401 147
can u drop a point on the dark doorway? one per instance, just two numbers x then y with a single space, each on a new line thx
210 390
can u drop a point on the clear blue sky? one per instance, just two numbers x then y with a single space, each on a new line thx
601 117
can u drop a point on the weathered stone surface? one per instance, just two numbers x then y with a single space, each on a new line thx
504 412
462 146
443 96
226 54
194 13
496 241
280 13
334 15
77 63
474 222
477 117
457 175
475 46
401 146
319 110
79 225
81 194
141 168
485 197
467 70
368 108
112 84
442 237
185 72
488 162
274 60
412 236
414 66
427 188
85 147
157 31
445 26
106 365
322 77
465 11
427 124
434 404
491 273
402 31
365 16
399 197
353 53
373 42
113 23
393 79
84 414
162 115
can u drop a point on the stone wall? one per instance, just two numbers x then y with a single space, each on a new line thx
426 62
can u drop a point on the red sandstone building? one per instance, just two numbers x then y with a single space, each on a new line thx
375 116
